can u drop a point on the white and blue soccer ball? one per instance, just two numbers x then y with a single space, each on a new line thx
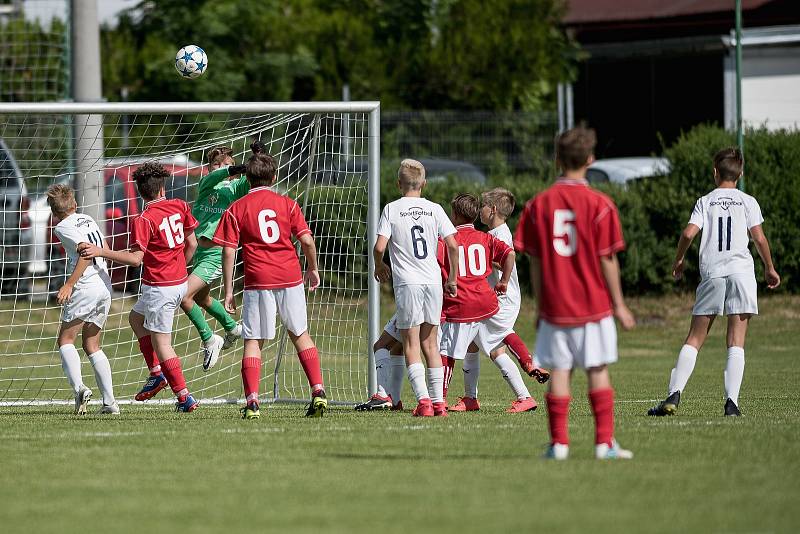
191 61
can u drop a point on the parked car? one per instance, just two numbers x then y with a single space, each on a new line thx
624 170
436 170
15 226
122 204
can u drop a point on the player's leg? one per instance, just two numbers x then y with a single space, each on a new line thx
397 374
156 381
208 267
526 360
553 348
251 377
409 300
734 367
524 401
684 366
212 343
171 367
454 343
259 311
601 398
71 363
291 304
471 370
429 344
382 399
90 337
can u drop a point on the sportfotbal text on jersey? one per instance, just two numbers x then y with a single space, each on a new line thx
416 213
725 202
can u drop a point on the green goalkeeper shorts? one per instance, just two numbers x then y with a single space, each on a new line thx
207 264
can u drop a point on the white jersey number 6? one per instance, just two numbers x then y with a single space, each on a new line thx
270 232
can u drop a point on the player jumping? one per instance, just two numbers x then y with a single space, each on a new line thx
264 222
86 297
410 227
162 241
573 234
727 277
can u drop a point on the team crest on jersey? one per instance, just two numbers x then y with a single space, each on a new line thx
82 221
213 199
415 213
725 203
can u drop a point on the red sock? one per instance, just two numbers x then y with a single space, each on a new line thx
251 375
174 374
603 408
309 359
448 363
149 353
558 418
519 349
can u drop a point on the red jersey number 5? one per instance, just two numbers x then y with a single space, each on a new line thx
173 229
565 238
270 232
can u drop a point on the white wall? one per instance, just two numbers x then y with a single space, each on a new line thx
771 86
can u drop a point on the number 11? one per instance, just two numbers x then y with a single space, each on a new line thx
720 232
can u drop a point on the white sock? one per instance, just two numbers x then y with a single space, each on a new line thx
734 371
382 370
102 373
512 375
71 364
683 369
396 375
416 375
536 362
471 368
436 383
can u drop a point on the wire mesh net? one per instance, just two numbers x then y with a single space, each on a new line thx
322 160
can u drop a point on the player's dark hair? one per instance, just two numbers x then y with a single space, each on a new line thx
218 154
466 207
729 163
150 178
574 147
261 170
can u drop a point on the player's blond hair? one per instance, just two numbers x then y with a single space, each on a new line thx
61 199
466 207
218 154
501 199
411 175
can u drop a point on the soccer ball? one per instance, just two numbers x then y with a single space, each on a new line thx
191 61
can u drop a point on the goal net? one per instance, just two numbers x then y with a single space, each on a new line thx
327 156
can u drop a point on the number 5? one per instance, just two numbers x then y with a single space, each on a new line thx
563 227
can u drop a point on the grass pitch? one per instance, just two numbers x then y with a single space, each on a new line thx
152 470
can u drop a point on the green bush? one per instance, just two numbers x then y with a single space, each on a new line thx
655 210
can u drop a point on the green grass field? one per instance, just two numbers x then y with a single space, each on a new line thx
152 470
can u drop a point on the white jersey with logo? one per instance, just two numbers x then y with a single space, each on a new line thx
73 230
513 297
413 226
725 215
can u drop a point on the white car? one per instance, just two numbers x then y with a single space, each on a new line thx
624 170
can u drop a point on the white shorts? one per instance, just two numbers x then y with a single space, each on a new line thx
584 347
262 305
89 303
417 304
456 338
391 329
502 323
729 295
158 305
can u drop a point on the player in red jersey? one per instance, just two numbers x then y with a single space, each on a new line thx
264 222
163 242
466 314
573 234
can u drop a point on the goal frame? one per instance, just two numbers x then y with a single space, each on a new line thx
82 111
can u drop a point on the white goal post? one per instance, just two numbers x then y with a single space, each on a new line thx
328 156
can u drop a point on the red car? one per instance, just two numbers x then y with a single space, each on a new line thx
123 203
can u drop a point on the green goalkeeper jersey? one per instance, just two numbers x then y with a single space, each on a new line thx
214 195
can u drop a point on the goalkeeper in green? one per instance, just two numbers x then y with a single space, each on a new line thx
215 192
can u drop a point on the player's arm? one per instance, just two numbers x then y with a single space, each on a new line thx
132 257
685 241
66 290
762 246
382 271
210 180
451 286
189 247
507 266
609 265
228 260
310 252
